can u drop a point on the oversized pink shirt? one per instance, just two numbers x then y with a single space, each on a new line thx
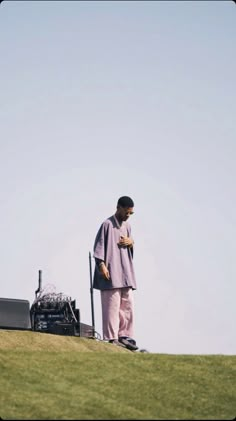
119 260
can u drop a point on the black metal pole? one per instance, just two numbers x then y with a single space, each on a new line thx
40 284
91 293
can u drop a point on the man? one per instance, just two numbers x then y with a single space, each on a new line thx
114 275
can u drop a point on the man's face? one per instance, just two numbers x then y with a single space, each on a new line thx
124 213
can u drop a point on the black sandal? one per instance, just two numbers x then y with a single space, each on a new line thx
128 342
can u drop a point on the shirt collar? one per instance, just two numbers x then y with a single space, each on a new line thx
117 222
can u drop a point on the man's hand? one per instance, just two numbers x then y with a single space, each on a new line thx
126 241
104 271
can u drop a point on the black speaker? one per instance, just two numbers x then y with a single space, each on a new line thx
14 314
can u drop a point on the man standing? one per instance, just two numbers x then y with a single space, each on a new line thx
114 275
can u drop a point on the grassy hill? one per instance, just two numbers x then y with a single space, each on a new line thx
44 376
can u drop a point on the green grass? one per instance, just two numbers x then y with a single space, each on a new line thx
57 377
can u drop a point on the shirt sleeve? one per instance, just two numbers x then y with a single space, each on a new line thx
99 251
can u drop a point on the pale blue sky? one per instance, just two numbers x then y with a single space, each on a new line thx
104 99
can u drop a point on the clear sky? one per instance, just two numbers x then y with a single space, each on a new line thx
100 99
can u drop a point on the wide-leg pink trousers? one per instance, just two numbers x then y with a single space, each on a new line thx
117 313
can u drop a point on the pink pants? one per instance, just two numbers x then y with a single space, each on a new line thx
117 313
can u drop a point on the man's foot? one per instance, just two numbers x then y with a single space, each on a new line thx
116 342
129 343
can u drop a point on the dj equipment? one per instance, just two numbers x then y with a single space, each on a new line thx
59 317
54 313
49 313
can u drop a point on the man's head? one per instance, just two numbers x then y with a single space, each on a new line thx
124 208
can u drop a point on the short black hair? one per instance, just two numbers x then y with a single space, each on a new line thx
125 202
